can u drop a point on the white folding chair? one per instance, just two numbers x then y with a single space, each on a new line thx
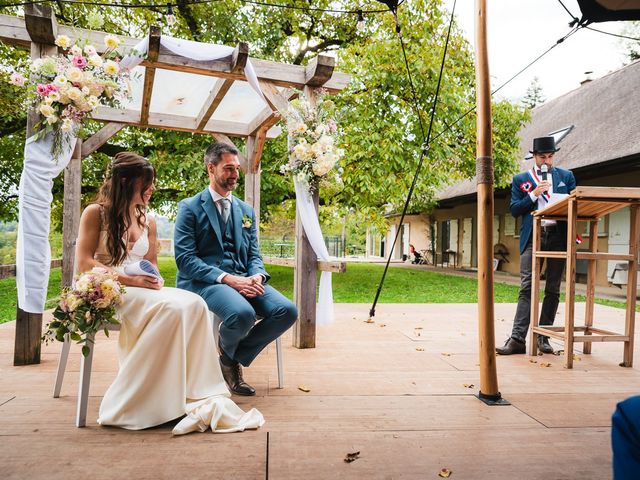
217 321
85 376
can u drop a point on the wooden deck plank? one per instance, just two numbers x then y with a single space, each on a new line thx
397 396
491 454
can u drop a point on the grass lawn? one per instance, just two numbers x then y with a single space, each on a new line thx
357 285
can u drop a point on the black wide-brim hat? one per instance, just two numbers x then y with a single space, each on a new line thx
544 145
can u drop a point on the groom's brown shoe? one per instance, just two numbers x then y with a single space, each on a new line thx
233 376
511 347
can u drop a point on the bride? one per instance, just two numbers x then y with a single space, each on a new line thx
169 366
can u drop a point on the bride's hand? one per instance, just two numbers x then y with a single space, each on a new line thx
143 281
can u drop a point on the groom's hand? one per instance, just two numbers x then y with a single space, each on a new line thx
249 287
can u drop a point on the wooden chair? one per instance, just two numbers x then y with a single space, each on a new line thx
217 321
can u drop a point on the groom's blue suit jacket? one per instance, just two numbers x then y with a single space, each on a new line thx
198 241
522 205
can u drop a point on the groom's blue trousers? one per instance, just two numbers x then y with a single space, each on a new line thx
240 337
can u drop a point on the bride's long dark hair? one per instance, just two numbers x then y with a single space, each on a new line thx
128 175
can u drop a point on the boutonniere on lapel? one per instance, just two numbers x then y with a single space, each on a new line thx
526 187
246 221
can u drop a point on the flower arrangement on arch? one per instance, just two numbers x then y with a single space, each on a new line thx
313 132
66 89
86 308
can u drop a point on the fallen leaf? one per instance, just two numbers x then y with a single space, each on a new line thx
413 383
352 457
445 473
576 357
445 354
396 436
544 364
369 320
533 361
420 349
468 385
557 353
302 388
382 325
417 328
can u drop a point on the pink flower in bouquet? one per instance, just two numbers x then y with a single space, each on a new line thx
42 90
51 88
79 61
18 80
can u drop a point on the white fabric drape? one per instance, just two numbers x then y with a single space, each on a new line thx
311 225
33 253
195 51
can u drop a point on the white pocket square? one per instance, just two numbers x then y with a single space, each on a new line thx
562 184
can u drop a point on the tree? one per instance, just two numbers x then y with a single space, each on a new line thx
534 96
381 129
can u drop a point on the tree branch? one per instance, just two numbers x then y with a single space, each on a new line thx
322 46
185 12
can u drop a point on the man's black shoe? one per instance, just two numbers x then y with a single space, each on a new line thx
511 347
543 344
233 376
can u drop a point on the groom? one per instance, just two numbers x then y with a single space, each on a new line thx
216 249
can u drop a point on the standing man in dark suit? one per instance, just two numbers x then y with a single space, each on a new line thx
216 249
532 191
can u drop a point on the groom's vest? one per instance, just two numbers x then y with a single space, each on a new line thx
230 262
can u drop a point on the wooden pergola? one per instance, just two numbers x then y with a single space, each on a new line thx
37 32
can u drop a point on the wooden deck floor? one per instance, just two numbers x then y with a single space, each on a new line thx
396 391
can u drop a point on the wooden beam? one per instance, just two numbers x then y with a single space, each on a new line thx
242 159
319 70
274 98
221 87
150 73
41 24
334 267
7 271
29 325
13 31
95 141
239 58
210 105
267 117
71 213
255 147
169 122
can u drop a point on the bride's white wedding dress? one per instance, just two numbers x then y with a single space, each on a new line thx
168 362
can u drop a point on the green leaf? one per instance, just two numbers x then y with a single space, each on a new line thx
85 351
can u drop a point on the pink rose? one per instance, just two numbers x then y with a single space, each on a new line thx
42 90
17 79
51 88
79 61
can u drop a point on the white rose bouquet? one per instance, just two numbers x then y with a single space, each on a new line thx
67 88
313 132
86 308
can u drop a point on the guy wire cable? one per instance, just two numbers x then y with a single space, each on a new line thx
426 141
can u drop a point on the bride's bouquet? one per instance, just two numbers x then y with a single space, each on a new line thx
65 89
86 308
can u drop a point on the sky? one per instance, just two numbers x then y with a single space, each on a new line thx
520 30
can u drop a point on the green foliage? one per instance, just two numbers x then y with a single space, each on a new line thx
382 137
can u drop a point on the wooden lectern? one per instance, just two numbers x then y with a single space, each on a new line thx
586 204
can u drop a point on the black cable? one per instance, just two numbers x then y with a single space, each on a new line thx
191 2
426 141
472 109
575 19
613 34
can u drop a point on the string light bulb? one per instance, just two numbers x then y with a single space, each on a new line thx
360 25
170 17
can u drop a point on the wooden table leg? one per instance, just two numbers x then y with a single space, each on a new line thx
591 284
535 287
570 283
632 285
